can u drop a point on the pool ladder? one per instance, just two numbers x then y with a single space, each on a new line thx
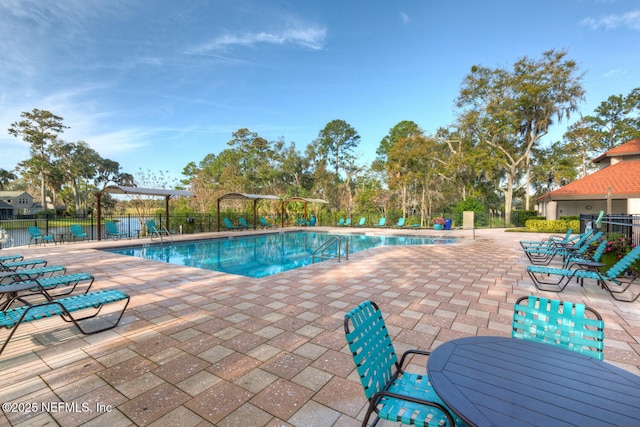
321 251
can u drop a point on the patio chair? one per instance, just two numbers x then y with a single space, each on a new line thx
228 225
393 394
94 301
154 230
77 233
362 222
613 281
400 223
25 263
243 224
575 327
340 222
112 230
539 256
9 258
35 235
382 222
61 285
347 222
265 223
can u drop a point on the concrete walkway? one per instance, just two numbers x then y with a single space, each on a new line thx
199 347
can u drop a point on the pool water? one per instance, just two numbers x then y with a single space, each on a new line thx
265 254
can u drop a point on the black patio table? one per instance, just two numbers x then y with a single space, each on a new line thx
498 381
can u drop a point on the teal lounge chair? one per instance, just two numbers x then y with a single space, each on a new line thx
551 241
25 263
572 326
31 273
265 223
154 230
243 224
112 230
9 258
12 318
393 393
77 233
400 223
61 285
382 222
347 222
613 281
543 256
362 222
36 236
340 222
228 225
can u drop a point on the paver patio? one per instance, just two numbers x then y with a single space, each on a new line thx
198 347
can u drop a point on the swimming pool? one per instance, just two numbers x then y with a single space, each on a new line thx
264 254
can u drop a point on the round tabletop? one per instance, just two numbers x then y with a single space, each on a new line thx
498 381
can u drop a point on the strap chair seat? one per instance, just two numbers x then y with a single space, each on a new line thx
575 327
393 393
12 318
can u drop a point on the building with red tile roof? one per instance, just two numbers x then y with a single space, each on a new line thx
614 188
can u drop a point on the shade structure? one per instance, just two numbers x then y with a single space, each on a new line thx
245 196
158 192
304 200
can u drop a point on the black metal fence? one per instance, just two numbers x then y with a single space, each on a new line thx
627 225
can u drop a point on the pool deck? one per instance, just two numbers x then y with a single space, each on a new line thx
201 348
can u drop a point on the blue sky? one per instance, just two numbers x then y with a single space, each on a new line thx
155 84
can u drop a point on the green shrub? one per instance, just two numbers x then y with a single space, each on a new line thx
547 226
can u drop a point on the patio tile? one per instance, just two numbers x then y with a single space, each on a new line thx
153 404
218 401
180 368
282 398
286 365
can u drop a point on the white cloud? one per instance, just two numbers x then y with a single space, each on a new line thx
311 37
404 17
613 72
630 20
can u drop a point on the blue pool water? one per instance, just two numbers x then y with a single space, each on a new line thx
262 255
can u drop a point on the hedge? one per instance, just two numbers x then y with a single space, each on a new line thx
552 226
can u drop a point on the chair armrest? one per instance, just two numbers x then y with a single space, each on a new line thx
408 352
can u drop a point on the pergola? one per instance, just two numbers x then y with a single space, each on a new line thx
243 196
120 189
304 200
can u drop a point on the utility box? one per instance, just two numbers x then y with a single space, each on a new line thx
468 222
